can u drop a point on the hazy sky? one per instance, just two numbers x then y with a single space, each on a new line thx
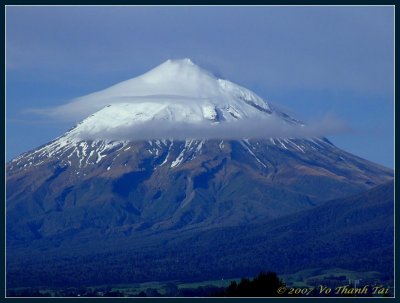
312 61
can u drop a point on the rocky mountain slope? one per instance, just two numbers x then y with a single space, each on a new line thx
171 151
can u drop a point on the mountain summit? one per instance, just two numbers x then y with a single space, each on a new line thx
177 91
173 81
175 100
93 186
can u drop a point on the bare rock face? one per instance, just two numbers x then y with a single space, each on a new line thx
165 185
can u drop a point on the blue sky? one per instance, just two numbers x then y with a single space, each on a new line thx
312 61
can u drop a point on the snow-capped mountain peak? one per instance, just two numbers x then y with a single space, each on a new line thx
175 100
172 78
175 91
173 85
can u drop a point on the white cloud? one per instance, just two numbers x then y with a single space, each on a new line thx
251 129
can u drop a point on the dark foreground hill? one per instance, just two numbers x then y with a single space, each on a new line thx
355 233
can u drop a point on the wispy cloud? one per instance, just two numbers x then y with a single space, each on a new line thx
273 127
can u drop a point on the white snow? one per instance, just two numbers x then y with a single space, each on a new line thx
175 91
209 112
233 112
166 158
179 159
91 153
282 144
245 143
174 78
200 145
